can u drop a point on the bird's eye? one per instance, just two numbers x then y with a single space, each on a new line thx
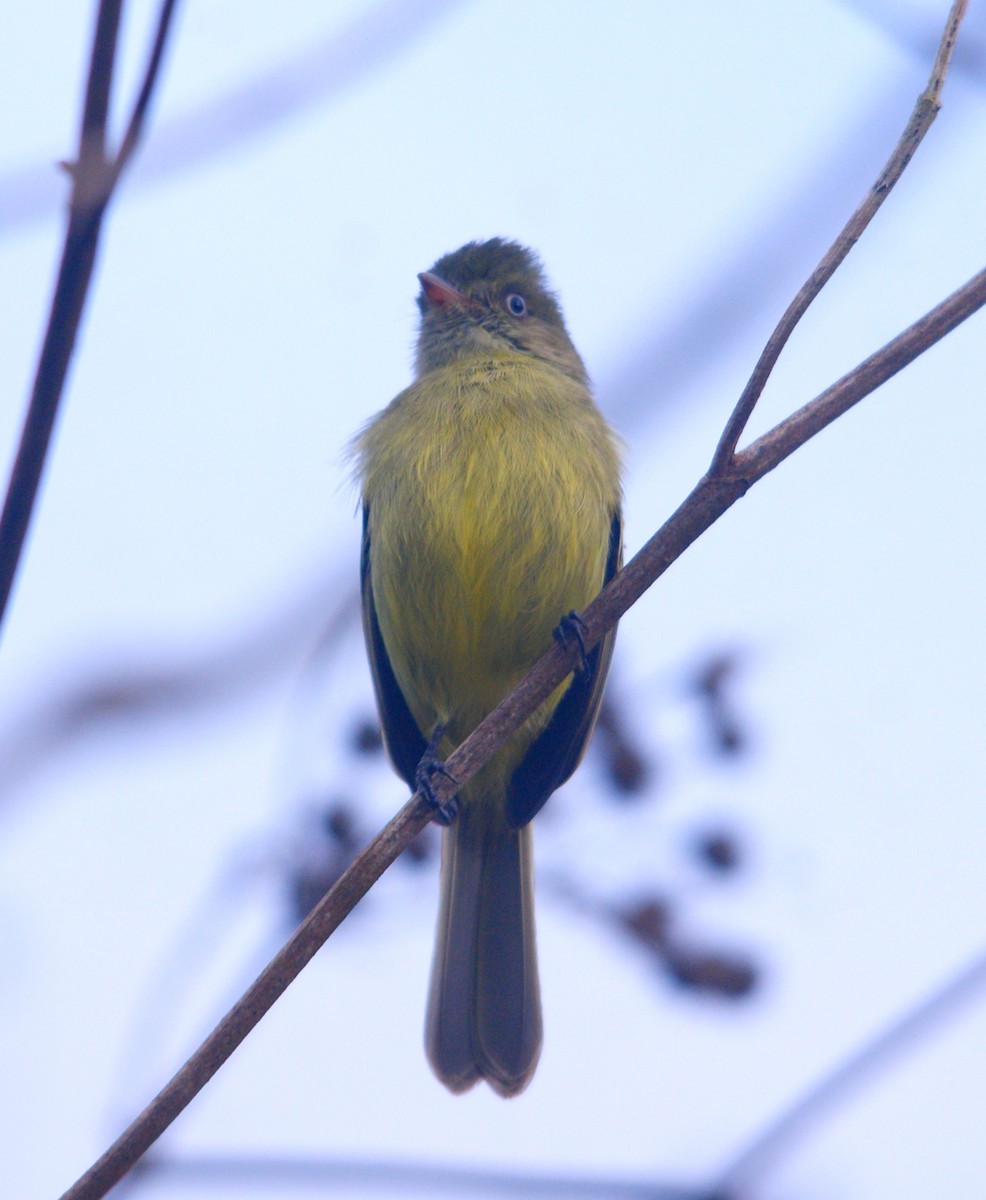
516 304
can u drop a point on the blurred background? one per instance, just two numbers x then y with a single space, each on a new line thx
774 849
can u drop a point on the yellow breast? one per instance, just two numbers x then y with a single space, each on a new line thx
491 488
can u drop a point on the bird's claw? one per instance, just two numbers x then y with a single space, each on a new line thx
573 628
445 812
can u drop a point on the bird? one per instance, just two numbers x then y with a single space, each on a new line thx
491 499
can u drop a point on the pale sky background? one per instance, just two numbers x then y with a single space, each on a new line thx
680 168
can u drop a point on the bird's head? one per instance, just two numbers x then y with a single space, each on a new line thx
489 298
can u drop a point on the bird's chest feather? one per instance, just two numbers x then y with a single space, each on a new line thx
508 514
498 526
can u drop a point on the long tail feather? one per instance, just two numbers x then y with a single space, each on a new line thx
484 1008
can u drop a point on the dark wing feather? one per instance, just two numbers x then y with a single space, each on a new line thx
555 753
402 737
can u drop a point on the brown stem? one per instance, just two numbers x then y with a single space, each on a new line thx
138 117
925 111
93 181
99 85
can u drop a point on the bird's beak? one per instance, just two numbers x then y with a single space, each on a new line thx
438 293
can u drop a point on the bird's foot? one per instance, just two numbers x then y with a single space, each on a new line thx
428 768
572 628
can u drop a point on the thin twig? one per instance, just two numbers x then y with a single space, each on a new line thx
138 117
94 179
320 70
925 111
99 87
773 447
856 1070
707 502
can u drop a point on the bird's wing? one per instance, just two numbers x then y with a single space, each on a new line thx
555 753
402 737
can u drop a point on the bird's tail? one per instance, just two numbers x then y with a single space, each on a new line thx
484 1008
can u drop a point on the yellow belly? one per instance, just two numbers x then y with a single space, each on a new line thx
490 513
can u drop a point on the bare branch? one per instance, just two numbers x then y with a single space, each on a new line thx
925 111
321 70
772 448
93 181
92 136
135 126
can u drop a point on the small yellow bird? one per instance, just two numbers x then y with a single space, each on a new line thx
491 509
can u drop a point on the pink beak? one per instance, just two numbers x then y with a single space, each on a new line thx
439 293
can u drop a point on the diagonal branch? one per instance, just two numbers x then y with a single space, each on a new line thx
710 498
94 178
925 111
